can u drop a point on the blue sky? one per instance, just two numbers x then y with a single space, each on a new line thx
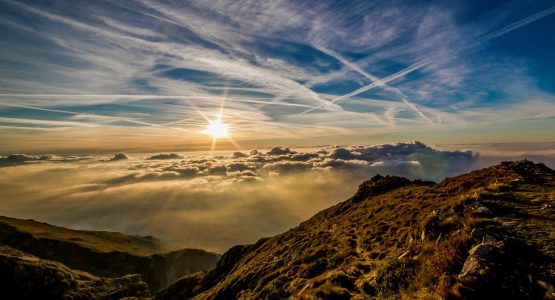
142 75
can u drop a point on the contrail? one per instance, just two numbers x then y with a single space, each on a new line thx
90 115
495 34
146 97
363 89
378 82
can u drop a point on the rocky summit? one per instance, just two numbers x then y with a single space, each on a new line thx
488 234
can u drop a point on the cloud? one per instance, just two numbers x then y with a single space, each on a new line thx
13 159
17 159
205 201
119 156
215 202
239 154
304 156
287 166
166 156
159 68
280 151
341 153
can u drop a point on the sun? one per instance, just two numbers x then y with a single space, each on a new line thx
217 129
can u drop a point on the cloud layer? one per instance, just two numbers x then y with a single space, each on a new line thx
207 201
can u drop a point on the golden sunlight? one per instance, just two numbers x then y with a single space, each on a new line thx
217 129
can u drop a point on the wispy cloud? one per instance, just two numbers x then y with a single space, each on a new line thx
377 82
285 69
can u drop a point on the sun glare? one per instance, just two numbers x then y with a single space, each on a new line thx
217 129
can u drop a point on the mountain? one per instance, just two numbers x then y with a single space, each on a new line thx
25 276
489 234
100 253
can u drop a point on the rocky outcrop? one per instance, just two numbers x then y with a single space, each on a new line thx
378 185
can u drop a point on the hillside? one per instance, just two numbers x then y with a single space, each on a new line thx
104 254
24 276
487 234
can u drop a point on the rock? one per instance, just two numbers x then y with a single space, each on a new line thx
549 289
517 181
488 239
479 209
477 234
476 261
378 185
481 250
471 265
483 210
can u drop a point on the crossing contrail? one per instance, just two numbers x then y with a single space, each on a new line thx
419 65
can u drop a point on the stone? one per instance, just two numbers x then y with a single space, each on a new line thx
478 208
481 250
488 239
471 265
477 234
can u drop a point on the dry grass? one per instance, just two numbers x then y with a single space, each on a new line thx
100 241
409 242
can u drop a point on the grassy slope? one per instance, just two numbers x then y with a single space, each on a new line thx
101 241
105 254
410 242
24 276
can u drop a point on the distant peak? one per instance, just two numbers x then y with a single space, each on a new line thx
526 167
378 185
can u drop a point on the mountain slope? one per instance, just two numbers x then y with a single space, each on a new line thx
486 234
24 276
105 254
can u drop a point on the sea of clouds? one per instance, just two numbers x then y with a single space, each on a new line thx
207 201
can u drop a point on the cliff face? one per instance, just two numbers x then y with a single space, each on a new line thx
486 234
104 254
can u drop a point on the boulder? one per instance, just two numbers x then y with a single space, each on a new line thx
477 234
477 208
481 250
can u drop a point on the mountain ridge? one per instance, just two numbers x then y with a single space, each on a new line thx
482 234
103 253
486 234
